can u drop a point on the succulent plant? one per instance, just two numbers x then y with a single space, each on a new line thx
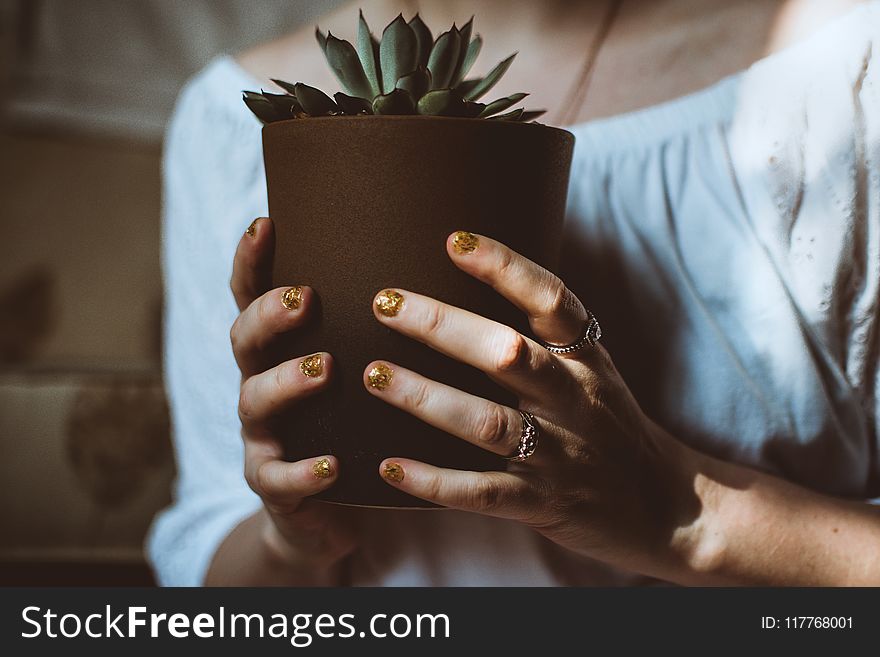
406 72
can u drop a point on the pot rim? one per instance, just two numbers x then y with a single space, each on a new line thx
406 118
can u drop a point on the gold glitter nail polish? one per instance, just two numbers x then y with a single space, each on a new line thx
380 377
465 242
252 229
389 302
312 366
321 469
393 472
292 298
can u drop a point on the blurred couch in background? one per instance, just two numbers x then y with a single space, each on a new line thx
84 432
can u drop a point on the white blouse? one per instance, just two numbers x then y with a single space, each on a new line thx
729 242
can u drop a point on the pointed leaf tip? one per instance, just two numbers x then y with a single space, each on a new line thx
484 85
287 86
398 55
424 40
444 58
314 101
352 106
501 104
368 53
464 40
346 65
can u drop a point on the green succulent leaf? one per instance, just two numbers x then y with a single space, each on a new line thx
368 52
403 72
397 101
531 115
464 40
444 58
473 51
397 52
351 105
260 106
286 106
343 59
441 102
314 101
424 39
514 115
416 83
287 86
321 38
501 104
490 80
467 86
473 110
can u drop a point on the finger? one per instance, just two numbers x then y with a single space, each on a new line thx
252 265
265 395
270 315
281 485
514 496
515 361
493 427
555 314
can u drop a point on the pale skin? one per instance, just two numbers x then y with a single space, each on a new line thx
606 481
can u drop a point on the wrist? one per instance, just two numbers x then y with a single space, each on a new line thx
699 541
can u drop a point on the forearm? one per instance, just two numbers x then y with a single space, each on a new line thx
755 529
249 557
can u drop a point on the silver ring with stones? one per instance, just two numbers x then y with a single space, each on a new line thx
589 338
528 439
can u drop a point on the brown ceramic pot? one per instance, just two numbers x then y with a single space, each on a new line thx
364 203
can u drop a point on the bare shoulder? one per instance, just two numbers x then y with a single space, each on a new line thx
296 57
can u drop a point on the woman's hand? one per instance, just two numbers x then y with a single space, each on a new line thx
306 540
604 480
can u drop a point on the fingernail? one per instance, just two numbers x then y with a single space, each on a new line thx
322 468
380 377
252 229
313 366
292 298
389 302
393 472
465 242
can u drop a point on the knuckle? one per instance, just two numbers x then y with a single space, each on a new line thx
541 497
485 496
494 426
505 261
514 353
235 334
266 484
246 404
558 297
417 397
251 478
264 311
433 320
284 380
434 488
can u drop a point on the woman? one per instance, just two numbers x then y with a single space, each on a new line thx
728 241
